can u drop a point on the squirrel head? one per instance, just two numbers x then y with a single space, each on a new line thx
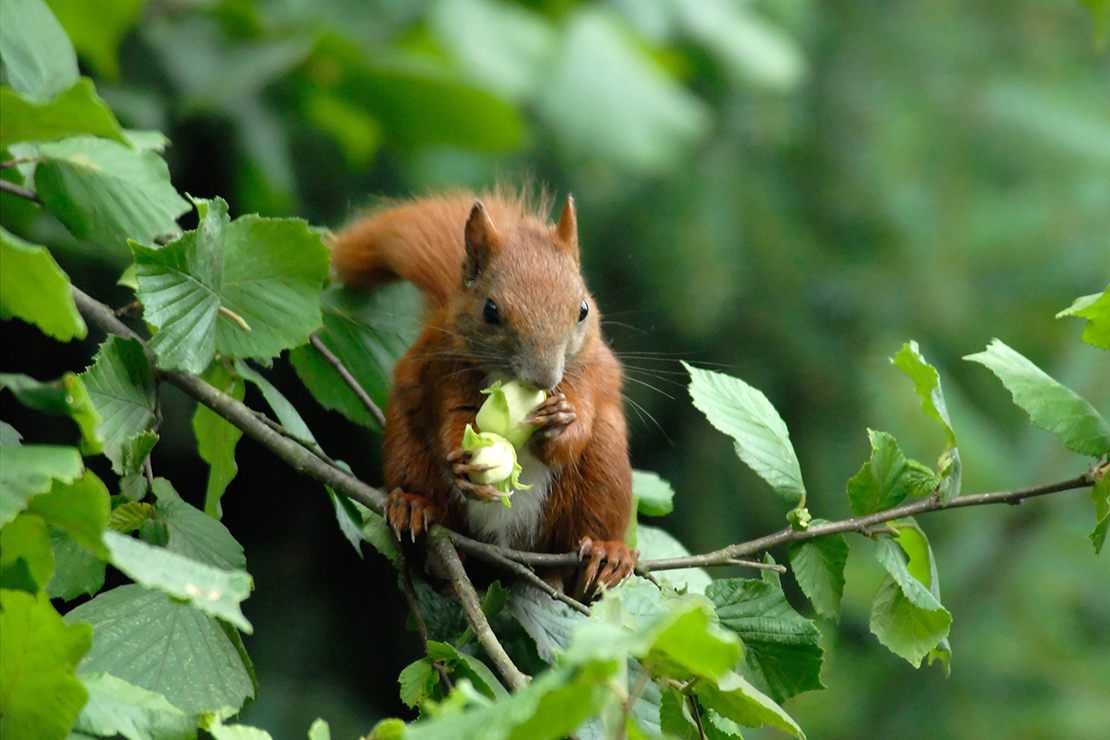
524 308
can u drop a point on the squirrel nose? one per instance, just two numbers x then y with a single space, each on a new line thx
542 371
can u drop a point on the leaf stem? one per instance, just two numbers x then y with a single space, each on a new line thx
349 379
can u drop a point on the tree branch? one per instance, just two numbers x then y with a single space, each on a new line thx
7 186
349 379
439 540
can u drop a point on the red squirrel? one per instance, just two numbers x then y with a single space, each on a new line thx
507 301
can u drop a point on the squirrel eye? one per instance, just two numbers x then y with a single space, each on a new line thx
491 314
584 312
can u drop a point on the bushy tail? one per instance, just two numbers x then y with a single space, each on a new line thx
420 241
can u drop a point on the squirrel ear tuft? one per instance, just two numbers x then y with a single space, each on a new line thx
480 237
567 229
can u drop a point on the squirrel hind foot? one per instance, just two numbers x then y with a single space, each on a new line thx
610 562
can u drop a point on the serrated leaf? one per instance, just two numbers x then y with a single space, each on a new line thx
28 470
549 623
1096 309
418 682
888 477
368 333
1100 495
741 702
217 438
210 589
129 516
220 731
466 666
655 495
194 534
77 572
319 730
745 414
80 509
34 288
66 396
818 565
1050 405
116 707
894 560
905 628
38 57
39 693
781 651
692 642
926 381
267 273
78 110
121 385
106 192
25 553
133 483
163 645
9 437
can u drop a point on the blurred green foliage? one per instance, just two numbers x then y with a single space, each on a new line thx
784 189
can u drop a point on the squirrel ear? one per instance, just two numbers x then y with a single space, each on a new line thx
567 228
479 237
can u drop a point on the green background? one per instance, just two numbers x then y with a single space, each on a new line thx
785 190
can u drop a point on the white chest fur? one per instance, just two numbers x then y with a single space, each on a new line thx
517 526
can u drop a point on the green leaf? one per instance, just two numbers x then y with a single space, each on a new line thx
80 509
213 590
164 645
1100 14
655 495
745 414
657 544
194 534
39 693
905 628
78 110
245 288
9 436
692 642
1050 406
549 623
818 565
217 437
741 702
888 477
221 731
34 288
782 654
466 666
96 29
133 482
895 561
28 470
1100 494
1095 308
116 707
121 385
77 572
38 57
926 381
368 332
67 396
418 681
609 101
26 557
129 516
106 192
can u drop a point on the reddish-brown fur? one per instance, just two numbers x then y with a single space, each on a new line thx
530 268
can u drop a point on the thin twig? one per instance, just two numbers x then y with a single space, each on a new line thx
492 554
439 540
701 561
15 162
349 379
7 186
308 444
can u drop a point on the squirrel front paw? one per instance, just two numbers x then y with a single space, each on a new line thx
552 416
406 512
462 467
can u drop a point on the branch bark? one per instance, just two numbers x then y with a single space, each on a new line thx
349 379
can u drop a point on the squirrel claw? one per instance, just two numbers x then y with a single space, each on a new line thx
552 416
406 512
479 491
609 563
